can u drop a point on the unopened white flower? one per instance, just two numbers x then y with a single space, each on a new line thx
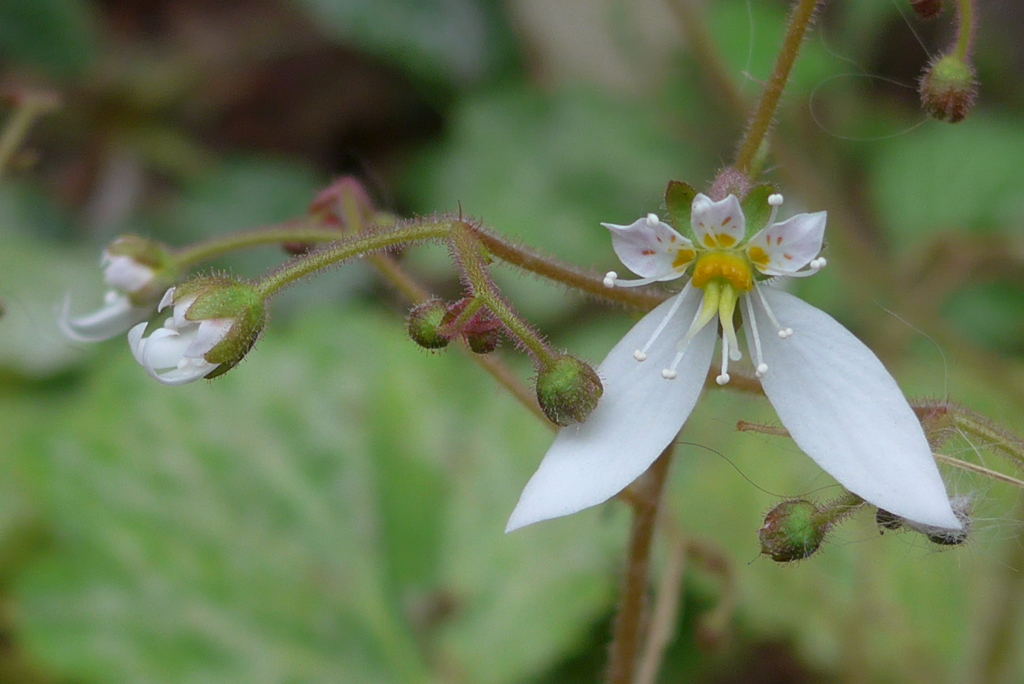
175 353
213 324
133 270
831 392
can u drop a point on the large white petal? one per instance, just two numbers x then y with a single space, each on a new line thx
638 415
846 412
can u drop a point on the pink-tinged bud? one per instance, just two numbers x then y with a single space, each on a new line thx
567 390
729 182
926 9
481 330
424 324
793 530
949 88
343 204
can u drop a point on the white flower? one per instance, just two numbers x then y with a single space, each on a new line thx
124 304
831 392
175 353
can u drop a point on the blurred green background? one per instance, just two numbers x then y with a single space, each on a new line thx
332 511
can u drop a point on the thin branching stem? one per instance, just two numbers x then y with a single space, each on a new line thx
646 499
800 20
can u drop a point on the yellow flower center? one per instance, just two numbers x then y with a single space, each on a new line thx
726 268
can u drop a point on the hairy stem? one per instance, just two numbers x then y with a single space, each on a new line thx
760 123
350 247
468 251
551 269
965 26
629 621
300 230
666 612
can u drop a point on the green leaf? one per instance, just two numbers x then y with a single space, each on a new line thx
330 511
679 202
756 209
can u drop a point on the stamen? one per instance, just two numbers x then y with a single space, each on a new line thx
708 310
723 378
760 367
611 279
653 220
641 354
775 201
110 296
813 267
783 332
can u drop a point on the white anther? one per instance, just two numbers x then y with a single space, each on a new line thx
761 370
669 374
723 379
639 356
785 332
653 220
775 200
609 278
110 296
818 264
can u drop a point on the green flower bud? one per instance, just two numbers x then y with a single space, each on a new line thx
424 324
214 323
793 530
948 89
568 390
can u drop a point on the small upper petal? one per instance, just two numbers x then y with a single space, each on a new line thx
847 413
638 415
717 224
651 248
789 246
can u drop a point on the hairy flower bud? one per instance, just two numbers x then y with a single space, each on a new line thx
214 323
949 88
567 390
793 530
424 324
344 204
